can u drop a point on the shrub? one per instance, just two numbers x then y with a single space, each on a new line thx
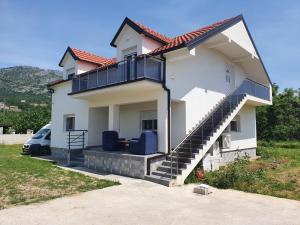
237 175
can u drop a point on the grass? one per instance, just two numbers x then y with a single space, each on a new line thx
276 173
24 180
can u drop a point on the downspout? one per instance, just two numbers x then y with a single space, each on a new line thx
169 102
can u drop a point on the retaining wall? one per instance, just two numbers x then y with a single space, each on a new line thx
11 139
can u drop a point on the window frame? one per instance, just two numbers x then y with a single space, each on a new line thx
70 72
237 120
153 124
66 118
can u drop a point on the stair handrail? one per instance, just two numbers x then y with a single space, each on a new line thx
201 125
73 141
83 132
208 116
211 115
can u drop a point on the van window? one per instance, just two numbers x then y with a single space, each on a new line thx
41 133
48 137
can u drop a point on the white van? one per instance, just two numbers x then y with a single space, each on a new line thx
39 143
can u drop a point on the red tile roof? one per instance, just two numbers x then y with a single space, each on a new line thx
185 38
170 43
92 58
55 82
146 29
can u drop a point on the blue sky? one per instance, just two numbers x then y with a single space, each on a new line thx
37 33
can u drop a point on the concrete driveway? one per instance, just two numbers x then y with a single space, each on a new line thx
138 202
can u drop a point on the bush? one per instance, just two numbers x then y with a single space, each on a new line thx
236 175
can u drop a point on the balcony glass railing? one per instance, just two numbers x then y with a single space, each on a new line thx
255 89
119 73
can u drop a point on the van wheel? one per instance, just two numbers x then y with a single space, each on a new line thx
47 150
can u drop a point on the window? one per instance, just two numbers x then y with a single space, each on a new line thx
41 133
149 124
149 120
70 76
235 124
228 73
48 137
70 123
70 73
227 78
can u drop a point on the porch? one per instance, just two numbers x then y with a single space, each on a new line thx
121 162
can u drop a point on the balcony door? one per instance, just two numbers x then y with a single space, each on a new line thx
130 66
129 56
229 78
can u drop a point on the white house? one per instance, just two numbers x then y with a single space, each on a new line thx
199 91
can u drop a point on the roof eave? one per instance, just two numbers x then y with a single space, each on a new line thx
193 43
257 52
72 54
69 49
137 29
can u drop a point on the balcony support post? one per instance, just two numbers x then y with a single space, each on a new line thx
113 117
145 65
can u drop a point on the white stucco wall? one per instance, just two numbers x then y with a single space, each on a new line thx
199 80
98 122
82 67
246 137
130 118
63 104
68 63
129 38
79 66
12 139
178 122
149 44
238 34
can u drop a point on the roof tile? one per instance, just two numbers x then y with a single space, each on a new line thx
92 58
183 39
161 37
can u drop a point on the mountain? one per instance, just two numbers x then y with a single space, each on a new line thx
26 85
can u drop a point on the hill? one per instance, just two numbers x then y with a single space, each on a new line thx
26 83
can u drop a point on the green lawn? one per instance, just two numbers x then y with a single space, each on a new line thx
276 173
25 180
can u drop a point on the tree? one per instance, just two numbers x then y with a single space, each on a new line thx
280 121
32 118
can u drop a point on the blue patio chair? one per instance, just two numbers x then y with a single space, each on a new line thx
145 145
111 141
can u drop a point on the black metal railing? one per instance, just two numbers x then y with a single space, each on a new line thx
76 139
206 129
199 136
255 89
122 72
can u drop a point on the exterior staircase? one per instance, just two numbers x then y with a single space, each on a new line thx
186 156
76 144
76 158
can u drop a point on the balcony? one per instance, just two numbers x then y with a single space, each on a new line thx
255 89
139 68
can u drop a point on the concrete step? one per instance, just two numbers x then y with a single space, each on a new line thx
163 174
179 159
181 165
187 154
183 150
167 169
79 159
159 180
76 164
